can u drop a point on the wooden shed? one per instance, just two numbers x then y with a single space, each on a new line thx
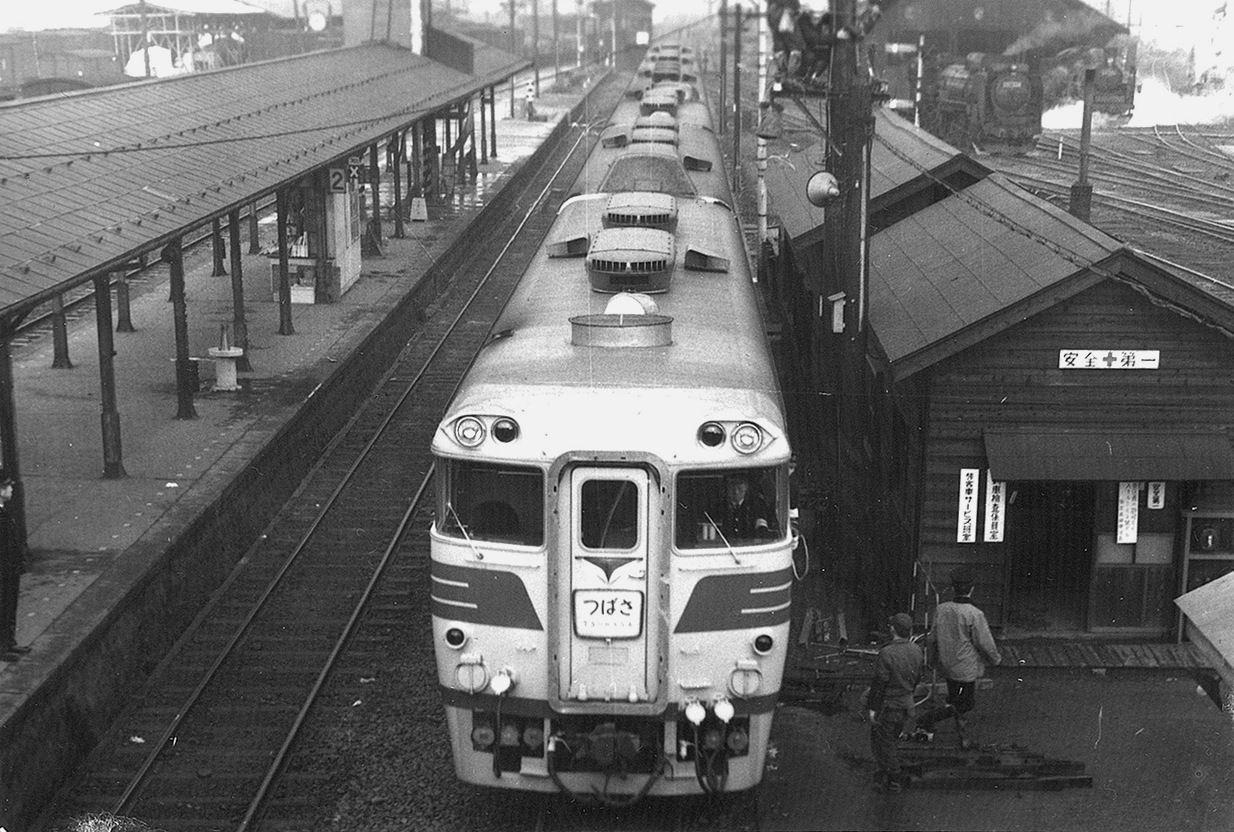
1045 405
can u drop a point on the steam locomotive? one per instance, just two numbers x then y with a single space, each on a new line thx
987 100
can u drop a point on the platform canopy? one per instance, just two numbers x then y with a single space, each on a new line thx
91 178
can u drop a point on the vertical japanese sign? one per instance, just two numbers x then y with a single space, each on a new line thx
966 518
1128 511
1156 495
995 503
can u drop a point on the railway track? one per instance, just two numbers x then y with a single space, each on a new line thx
206 744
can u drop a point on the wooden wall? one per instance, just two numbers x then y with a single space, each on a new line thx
1012 380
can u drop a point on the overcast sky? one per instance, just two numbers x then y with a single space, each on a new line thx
1173 23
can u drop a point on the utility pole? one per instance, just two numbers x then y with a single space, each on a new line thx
578 30
738 26
723 64
764 100
512 52
535 42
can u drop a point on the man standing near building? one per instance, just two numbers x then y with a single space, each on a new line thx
889 704
960 645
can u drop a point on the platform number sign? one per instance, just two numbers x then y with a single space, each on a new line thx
338 181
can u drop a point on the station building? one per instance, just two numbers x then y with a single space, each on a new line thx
1041 402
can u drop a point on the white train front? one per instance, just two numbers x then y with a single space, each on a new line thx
606 623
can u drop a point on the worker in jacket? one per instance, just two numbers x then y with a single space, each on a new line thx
960 646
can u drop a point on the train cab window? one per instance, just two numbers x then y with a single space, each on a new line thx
609 514
733 507
495 503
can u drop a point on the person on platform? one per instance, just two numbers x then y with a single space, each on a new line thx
889 704
742 515
11 562
959 645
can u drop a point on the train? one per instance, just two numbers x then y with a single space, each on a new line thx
1114 82
986 100
610 621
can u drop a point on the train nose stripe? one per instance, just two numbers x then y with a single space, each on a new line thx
482 596
723 602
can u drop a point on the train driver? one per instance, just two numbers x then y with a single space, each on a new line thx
743 514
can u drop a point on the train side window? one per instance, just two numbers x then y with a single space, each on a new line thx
495 503
737 506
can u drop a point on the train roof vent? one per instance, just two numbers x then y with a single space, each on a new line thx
653 135
570 245
638 209
631 319
630 260
699 259
695 163
615 136
659 119
658 100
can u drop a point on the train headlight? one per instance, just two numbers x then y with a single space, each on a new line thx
724 710
505 430
747 438
763 644
455 638
711 434
469 431
695 712
503 682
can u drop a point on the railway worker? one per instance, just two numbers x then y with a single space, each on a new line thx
889 704
960 645
742 515
787 42
529 100
11 557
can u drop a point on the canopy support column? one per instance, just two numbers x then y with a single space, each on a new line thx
113 460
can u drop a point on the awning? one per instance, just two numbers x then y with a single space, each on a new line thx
1105 455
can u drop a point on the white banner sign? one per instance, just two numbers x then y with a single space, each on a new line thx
1128 511
966 523
1109 359
995 502
1156 495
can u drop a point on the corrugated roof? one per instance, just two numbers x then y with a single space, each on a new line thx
89 178
969 257
901 154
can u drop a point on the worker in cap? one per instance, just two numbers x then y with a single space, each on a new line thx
889 704
11 551
959 646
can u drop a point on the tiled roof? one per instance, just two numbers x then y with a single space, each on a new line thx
89 179
901 153
969 257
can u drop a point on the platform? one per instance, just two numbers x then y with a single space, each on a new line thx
93 542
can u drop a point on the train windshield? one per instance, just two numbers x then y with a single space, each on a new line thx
733 507
492 502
